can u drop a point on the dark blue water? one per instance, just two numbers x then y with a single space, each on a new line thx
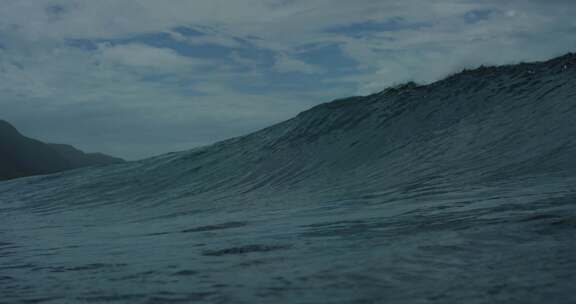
463 191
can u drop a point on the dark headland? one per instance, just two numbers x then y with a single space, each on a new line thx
21 156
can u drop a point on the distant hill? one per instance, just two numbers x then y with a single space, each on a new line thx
22 156
78 158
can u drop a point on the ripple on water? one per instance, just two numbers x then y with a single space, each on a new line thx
245 250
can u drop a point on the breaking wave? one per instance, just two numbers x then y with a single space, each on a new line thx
462 191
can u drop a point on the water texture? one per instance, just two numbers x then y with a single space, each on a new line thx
462 191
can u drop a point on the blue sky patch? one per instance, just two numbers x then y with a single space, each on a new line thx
329 56
389 25
476 16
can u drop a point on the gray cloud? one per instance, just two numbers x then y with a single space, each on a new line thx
141 77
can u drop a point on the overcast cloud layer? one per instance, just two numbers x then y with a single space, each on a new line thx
135 78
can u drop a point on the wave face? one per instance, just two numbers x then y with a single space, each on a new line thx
462 191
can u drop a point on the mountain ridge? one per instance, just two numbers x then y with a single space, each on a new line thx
21 156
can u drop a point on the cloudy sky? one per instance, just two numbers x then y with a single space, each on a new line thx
135 78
